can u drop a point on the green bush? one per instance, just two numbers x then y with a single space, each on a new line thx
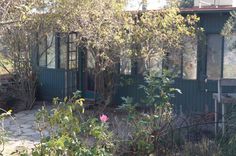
149 130
71 132
3 132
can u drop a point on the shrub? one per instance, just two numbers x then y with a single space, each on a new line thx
149 130
2 129
71 132
203 148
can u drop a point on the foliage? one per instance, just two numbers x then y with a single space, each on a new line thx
16 35
104 28
203 148
3 132
70 133
230 25
186 3
158 90
5 64
149 130
228 141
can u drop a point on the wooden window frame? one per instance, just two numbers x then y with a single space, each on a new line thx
45 40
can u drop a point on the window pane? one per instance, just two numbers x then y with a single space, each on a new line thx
51 51
63 51
72 37
214 55
140 65
90 70
230 57
42 51
174 62
154 64
73 64
190 59
90 60
72 46
125 65
72 60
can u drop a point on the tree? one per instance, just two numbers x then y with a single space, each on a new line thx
230 25
105 29
186 3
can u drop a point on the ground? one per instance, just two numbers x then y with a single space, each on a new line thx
22 131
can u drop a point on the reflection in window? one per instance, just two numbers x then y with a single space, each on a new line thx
214 55
68 51
140 66
154 64
125 65
63 50
90 60
42 45
73 58
46 49
90 70
230 57
51 62
190 59
173 63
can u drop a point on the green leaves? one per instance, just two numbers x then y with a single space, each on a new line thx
70 129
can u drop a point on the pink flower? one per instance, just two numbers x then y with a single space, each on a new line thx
103 118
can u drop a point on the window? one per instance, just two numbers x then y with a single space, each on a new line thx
90 70
90 60
214 56
68 51
46 51
174 62
125 65
43 51
154 64
230 56
51 62
190 59
73 57
63 50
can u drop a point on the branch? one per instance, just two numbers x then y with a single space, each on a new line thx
8 22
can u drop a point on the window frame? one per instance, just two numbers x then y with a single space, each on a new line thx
221 59
45 41
68 53
223 56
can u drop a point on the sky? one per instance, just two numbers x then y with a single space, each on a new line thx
151 4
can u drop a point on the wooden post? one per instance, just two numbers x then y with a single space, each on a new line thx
216 117
223 118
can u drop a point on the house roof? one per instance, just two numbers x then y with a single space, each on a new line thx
208 9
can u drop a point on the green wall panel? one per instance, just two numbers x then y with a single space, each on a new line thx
51 83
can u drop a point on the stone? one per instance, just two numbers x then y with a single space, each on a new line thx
22 131
26 126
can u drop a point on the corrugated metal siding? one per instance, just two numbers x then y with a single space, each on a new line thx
193 98
50 83
71 82
129 87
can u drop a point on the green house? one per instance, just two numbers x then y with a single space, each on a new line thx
65 67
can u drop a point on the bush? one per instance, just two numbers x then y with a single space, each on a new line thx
204 148
2 129
149 130
71 132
